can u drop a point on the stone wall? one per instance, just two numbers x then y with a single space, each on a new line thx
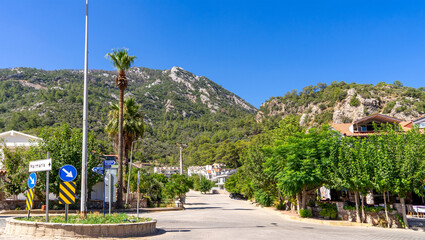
373 218
38 229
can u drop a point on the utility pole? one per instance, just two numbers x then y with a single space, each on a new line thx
83 206
181 160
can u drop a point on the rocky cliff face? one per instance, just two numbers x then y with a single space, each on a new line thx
354 103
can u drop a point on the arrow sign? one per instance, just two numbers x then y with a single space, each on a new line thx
109 162
67 173
98 170
32 180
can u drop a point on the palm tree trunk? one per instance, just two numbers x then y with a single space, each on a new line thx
120 149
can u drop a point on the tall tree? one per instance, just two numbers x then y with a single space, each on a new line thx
132 125
122 62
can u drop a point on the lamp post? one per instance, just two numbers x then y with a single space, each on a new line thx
129 170
83 206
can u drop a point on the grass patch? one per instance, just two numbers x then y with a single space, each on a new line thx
93 218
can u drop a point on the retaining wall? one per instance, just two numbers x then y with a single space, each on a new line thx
38 229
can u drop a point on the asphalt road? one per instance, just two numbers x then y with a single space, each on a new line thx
219 217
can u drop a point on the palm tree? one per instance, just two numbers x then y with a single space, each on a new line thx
132 125
122 62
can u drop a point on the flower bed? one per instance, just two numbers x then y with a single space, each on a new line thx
119 225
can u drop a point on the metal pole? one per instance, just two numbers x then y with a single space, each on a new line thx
104 173
66 212
138 193
83 206
26 194
110 192
181 160
47 191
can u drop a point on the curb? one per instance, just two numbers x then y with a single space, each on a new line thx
326 222
39 211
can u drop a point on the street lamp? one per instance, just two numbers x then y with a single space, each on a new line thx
129 170
83 205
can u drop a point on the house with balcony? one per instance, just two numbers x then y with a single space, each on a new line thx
365 126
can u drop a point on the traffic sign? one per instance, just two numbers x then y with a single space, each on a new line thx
67 173
32 179
41 165
98 170
67 193
109 162
30 198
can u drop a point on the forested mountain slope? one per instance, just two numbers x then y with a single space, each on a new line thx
178 105
342 102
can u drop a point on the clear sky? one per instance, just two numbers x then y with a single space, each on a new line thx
256 49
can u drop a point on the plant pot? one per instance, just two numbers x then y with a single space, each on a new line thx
43 207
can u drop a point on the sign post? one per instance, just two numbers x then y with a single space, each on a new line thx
67 195
29 194
44 165
138 193
67 174
47 190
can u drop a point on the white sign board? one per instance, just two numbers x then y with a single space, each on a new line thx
41 165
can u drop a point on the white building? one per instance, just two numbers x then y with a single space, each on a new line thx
216 173
14 140
167 171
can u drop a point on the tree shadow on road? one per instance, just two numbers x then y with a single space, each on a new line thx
201 208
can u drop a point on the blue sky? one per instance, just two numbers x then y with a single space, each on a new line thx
257 49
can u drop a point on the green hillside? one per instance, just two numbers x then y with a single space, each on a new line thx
178 105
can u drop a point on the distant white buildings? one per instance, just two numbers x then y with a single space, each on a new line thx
167 171
216 173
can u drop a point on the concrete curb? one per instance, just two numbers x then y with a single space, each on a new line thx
41 229
39 211
326 222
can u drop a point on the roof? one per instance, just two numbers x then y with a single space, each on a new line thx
379 117
419 118
344 129
18 139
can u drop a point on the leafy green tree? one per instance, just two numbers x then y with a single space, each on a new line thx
16 164
122 62
65 147
351 168
205 185
305 155
405 154
178 185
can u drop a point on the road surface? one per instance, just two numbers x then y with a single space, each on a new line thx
214 216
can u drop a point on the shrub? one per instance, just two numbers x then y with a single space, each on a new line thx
263 198
348 207
305 213
354 101
281 206
329 210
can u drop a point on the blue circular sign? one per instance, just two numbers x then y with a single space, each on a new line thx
32 180
67 173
